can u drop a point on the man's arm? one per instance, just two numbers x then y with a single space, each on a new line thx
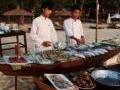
54 33
68 31
82 38
34 37
33 33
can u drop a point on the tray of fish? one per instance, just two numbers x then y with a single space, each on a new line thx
88 53
70 48
53 52
110 43
83 80
93 52
57 56
31 58
14 60
109 47
99 51
60 82
2 61
82 47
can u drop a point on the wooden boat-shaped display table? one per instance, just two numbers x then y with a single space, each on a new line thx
63 67
32 69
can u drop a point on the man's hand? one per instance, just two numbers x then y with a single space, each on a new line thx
82 39
47 44
77 40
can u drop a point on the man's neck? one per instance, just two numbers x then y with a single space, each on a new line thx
44 16
74 18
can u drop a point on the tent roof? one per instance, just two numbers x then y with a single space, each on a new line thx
116 16
63 12
17 12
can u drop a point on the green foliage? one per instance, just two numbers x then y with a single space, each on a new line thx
106 4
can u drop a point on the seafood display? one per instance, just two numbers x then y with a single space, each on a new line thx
17 60
74 53
113 41
70 59
91 50
56 56
60 82
106 77
64 55
83 80
2 61
14 59
67 60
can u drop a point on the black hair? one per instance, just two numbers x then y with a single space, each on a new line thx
48 5
75 7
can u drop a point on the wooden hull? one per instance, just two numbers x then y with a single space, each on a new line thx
65 67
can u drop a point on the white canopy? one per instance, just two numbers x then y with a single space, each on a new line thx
115 16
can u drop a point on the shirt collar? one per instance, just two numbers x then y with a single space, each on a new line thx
43 17
73 19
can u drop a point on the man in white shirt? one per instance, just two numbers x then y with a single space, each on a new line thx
73 28
43 33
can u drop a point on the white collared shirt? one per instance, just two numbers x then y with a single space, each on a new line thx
42 30
73 28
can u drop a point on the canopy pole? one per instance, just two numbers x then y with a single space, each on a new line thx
75 2
97 20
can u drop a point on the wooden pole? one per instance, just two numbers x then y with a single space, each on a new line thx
16 78
75 2
97 20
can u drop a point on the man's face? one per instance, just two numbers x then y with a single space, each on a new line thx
76 14
47 12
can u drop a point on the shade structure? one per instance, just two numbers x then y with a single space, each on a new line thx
18 12
116 16
63 13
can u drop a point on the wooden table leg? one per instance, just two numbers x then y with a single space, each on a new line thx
16 82
25 43
17 38
39 82
17 42
1 54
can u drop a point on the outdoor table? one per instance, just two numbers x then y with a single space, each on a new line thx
11 34
63 67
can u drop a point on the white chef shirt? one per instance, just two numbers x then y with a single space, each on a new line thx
73 28
42 30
